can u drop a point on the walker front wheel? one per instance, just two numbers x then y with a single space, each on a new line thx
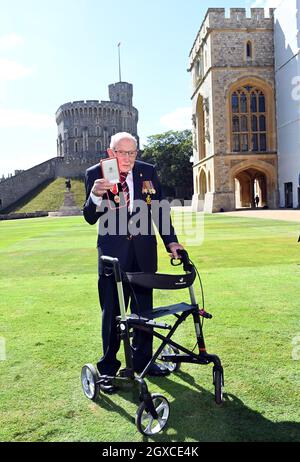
90 381
145 423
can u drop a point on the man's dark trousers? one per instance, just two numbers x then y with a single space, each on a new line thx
141 302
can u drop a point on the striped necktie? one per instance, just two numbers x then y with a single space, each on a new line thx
123 176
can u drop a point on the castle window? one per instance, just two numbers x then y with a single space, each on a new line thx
76 146
98 146
75 131
249 49
248 120
85 140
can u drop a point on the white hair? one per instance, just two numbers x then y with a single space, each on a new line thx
120 136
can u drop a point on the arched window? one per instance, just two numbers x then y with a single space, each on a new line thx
248 120
249 49
98 146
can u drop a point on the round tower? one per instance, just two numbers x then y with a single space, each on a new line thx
86 127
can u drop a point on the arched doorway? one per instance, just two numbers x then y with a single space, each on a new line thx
250 183
202 185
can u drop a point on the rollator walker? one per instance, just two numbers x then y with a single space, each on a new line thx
154 409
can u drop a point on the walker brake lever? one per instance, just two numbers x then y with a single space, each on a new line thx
204 314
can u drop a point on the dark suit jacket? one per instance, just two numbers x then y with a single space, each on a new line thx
119 244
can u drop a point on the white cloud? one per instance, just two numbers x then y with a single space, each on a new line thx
21 118
10 41
180 119
11 70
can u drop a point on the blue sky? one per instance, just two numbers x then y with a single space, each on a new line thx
55 51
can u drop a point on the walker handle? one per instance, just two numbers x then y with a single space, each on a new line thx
184 258
111 262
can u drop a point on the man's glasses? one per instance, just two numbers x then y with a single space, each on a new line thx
125 153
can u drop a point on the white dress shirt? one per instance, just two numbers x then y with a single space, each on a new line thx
129 180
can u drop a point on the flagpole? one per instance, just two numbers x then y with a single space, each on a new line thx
119 61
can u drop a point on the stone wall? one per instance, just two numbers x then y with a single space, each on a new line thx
229 48
14 188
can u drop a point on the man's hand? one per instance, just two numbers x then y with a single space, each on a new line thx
174 246
100 187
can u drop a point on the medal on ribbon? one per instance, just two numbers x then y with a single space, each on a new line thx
115 192
148 188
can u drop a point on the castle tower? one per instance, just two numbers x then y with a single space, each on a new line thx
121 93
85 127
234 122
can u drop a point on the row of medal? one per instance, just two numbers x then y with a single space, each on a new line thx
147 188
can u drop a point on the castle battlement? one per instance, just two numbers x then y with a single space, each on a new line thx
234 19
81 107
219 14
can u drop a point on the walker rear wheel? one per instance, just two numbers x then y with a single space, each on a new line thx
145 423
90 381
218 383
169 350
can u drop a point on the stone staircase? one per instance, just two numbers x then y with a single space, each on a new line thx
68 208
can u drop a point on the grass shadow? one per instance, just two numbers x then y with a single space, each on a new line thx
194 416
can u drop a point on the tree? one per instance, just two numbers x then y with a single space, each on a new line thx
171 152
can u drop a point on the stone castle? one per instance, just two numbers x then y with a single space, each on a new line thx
85 127
84 132
234 113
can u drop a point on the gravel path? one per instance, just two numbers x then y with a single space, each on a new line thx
283 214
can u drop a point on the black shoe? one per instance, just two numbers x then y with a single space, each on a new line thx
158 371
107 386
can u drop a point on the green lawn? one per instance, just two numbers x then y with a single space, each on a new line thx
50 323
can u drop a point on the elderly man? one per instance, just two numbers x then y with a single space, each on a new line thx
139 189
